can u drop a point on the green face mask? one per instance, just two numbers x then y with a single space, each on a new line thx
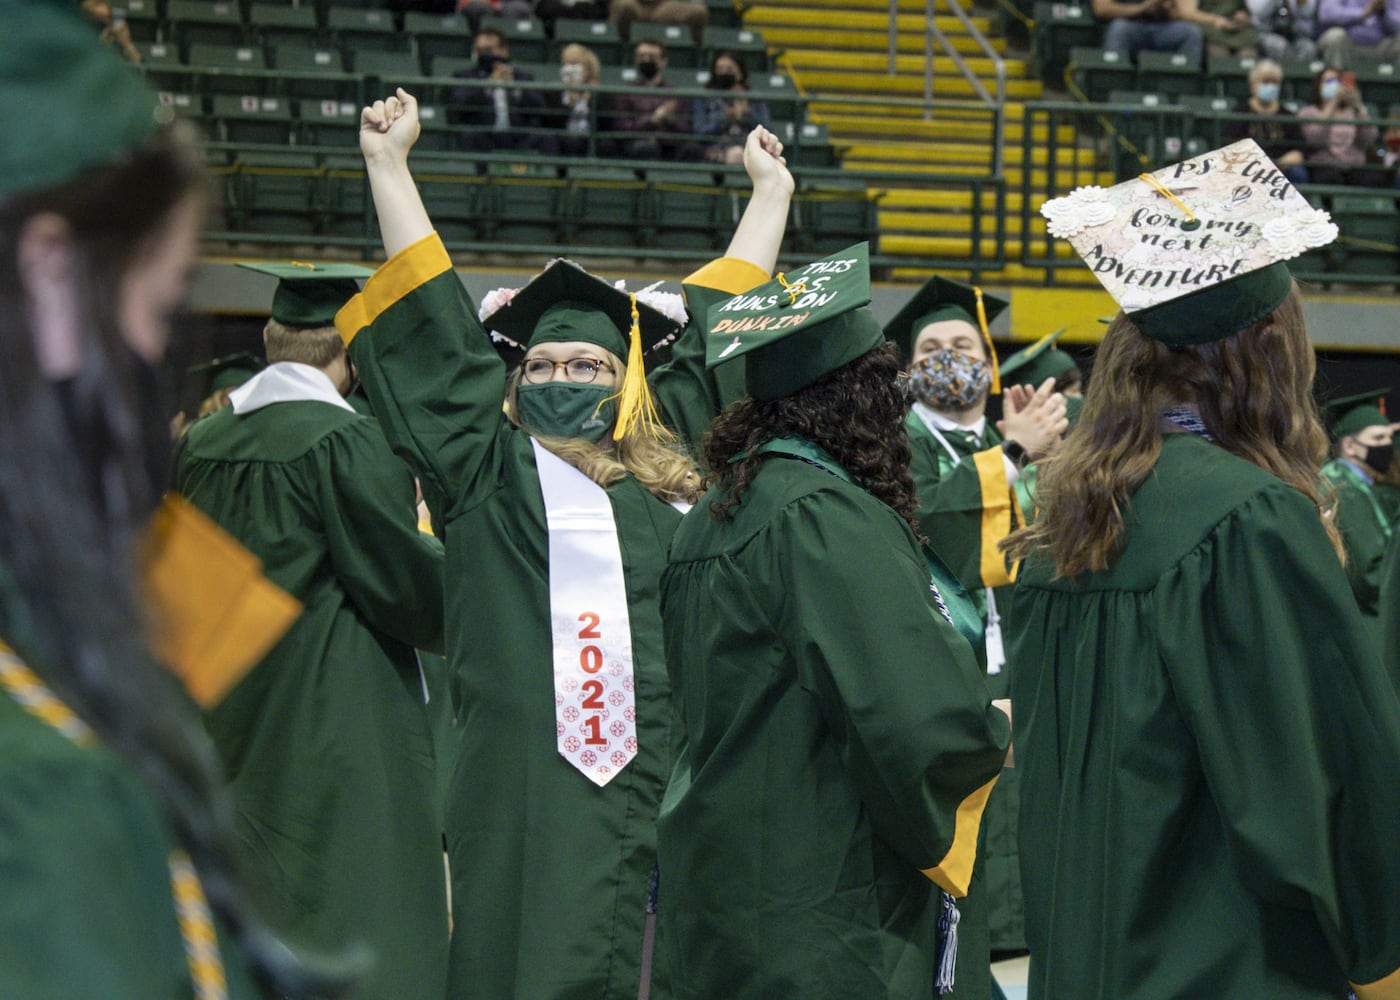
567 410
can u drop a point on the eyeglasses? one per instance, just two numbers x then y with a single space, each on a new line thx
537 370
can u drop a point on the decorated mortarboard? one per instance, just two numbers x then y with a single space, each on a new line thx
227 372
943 299
309 295
798 327
1041 360
92 107
1194 252
563 303
1350 415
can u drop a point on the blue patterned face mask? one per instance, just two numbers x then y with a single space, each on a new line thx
950 380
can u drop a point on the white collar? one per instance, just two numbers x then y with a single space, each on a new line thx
286 382
937 421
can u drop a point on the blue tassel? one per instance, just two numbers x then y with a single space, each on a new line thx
947 946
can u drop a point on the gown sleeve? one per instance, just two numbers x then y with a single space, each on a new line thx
391 571
1362 524
896 683
1298 726
433 379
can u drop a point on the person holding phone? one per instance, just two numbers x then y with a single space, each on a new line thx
1335 131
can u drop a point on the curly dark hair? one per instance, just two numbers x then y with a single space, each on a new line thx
856 413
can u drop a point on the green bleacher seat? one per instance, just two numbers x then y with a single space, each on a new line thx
724 13
390 68
327 123
189 106
1168 74
205 22
252 119
810 145
456 196
142 18
525 209
1299 77
345 206
279 24
361 30
314 73
276 193
831 215
603 206
780 93
1379 82
445 66
1098 72
681 51
748 45
438 34
1203 124
524 35
1374 223
1228 76
1059 27
684 210
220 69
599 36
1158 131
438 135
160 62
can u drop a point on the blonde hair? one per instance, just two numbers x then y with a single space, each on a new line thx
1264 66
662 470
1252 391
583 54
315 346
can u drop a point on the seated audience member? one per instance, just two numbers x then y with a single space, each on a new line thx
1287 28
1353 29
728 119
688 13
650 119
1276 130
503 117
1227 27
115 30
1134 25
475 10
1336 150
578 67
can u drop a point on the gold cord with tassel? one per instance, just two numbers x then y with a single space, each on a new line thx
987 339
636 408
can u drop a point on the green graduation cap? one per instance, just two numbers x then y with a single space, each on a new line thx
943 299
1034 364
309 295
1353 414
71 103
798 327
1194 252
227 372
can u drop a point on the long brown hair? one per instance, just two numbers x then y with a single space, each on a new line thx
1252 392
856 413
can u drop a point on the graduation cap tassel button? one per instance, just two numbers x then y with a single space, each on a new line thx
1192 223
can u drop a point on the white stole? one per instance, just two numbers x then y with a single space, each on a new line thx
595 712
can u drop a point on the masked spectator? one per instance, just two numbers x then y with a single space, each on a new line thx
1276 129
730 115
1337 149
501 117
648 119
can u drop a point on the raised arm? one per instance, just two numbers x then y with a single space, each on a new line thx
388 130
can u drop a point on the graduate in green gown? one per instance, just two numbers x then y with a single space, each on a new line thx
558 489
1032 366
1363 454
965 473
1389 606
327 742
1206 739
119 874
840 741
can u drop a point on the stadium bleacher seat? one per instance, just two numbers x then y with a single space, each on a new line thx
345 208
205 22
361 30
684 210
456 197
1059 27
252 120
281 24
1169 74
832 214
524 209
602 206
161 63
1379 82
1098 72
437 135
390 68
681 52
327 123
748 45
221 69
1370 224
599 36
1299 77
438 35
1203 125
524 35
276 192
142 18
1228 76
314 73
1157 132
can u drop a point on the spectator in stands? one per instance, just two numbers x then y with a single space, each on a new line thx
503 117
1276 130
689 13
1227 27
1337 149
1287 28
578 67
475 10
651 121
1155 25
730 118
115 30
1352 28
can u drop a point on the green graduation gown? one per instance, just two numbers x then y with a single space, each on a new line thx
1389 607
1365 528
86 904
1207 747
326 742
840 748
551 875
965 509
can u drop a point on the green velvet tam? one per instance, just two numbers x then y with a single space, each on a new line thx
70 103
1353 414
1034 364
940 299
309 295
1218 311
227 372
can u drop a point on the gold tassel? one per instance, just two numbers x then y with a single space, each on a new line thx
636 408
987 339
